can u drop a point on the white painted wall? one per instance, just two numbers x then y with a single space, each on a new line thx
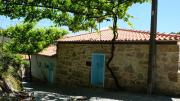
41 66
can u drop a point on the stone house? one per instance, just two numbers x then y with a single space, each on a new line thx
81 61
44 64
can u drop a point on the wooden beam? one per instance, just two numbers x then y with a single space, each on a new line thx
152 48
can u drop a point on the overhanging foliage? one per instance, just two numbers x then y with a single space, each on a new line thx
25 39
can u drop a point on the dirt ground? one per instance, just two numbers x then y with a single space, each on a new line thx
46 92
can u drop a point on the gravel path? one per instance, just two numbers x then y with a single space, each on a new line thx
45 92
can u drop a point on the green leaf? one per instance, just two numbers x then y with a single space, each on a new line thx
29 40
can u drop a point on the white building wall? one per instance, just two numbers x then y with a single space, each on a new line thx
43 67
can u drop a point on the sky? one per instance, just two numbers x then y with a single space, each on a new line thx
168 18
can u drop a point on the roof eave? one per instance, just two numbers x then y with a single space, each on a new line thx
119 42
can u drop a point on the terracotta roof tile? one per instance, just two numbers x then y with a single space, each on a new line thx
49 51
106 35
123 35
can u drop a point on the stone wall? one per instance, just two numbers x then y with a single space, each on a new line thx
167 75
130 65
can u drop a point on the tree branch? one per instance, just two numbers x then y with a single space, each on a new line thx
62 8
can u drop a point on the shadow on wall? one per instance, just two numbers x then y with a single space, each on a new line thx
43 68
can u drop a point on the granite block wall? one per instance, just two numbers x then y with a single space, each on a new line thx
130 65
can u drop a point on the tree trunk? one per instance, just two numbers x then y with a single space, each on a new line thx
30 73
115 35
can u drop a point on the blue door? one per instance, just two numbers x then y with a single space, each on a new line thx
97 70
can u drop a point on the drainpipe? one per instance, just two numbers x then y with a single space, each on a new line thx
152 48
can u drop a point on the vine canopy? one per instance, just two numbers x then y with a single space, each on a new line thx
76 14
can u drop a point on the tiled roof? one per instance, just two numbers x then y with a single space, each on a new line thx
49 51
123 35
106 35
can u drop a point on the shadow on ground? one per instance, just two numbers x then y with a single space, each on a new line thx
53 93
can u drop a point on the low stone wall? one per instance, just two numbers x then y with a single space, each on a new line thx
130 65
